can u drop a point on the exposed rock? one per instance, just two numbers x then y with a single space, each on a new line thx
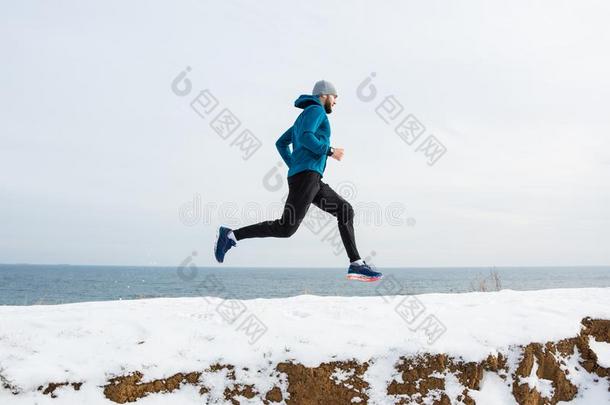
7 385
51 387
274 395
129 388
422 378
329 383
246 391
547 369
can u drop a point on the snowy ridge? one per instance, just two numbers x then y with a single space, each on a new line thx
504 347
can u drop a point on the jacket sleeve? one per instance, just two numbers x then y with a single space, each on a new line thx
282 146
312 119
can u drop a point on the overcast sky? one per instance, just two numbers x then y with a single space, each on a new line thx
101 162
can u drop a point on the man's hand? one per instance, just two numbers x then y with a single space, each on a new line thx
337 153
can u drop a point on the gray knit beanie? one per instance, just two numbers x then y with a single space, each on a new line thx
323 87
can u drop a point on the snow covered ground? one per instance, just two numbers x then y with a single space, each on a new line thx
237 346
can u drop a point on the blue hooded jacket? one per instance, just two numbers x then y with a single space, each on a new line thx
309 136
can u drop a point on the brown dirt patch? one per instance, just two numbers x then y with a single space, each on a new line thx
51 387
423 376
320 385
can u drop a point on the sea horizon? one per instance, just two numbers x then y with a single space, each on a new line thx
30 284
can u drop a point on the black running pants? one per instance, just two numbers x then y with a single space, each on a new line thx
305 188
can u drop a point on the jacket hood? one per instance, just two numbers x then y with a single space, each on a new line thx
305 100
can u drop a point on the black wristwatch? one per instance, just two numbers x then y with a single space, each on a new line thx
330 152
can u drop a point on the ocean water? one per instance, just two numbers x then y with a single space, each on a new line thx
56 284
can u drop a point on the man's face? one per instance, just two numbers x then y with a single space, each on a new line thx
329 103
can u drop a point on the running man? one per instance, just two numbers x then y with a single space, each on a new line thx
310 140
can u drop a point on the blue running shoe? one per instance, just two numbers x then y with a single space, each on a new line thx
363 272
223 243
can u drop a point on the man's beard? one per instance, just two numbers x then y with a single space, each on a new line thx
328 106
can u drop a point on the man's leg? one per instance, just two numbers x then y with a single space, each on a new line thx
328 200
302 188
